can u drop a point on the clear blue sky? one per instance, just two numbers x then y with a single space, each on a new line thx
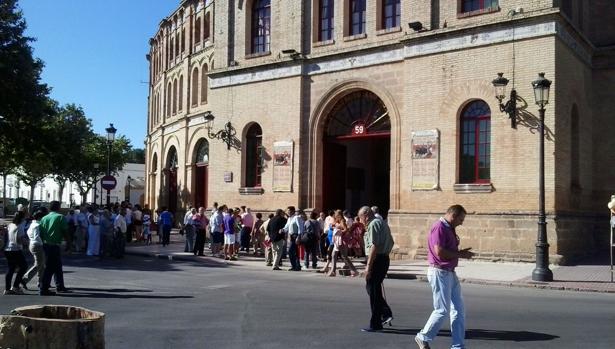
94 53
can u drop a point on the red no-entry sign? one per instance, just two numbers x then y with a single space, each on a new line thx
108 182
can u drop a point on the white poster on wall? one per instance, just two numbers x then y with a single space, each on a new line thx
283 166
425 160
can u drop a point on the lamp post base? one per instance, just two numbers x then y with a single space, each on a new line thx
542 274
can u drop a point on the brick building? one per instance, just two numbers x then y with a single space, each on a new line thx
328 104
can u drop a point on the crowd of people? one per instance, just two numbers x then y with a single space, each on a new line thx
286 234
97 231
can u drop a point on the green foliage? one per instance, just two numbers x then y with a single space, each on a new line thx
136 156
23 98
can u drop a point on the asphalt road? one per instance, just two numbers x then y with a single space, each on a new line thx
154 303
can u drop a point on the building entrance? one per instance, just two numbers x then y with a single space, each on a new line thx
357 150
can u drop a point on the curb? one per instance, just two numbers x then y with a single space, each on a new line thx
407 276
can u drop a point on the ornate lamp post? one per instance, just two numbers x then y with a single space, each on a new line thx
509 107
110 138
542 272
128 180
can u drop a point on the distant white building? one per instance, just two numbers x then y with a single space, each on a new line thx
48 190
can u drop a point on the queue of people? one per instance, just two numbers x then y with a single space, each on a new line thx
98 231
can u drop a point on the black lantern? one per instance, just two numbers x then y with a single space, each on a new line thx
227 134
509 107
110 139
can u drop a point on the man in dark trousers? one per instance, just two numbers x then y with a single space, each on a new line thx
275 231
378 245
53 227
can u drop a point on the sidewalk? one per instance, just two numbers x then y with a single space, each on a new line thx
586 278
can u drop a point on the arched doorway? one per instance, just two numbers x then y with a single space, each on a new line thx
201 165
171 169
356 149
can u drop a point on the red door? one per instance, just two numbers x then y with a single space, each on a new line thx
173 190
200 187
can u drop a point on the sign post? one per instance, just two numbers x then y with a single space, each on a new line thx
108 182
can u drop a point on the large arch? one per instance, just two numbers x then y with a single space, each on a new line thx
317 123
200 177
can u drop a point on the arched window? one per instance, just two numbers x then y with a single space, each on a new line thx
475 143
325 20
174 96
172 161
183 40
181 93
154 163
254 156
206 26
204 85
201 156
169 99
195 87
357 17
261 26
197 30
177 44
172 49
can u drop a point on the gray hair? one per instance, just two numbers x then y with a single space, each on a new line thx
367 211
375 209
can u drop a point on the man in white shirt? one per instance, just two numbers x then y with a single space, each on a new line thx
293 229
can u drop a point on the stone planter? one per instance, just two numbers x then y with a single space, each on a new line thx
52 327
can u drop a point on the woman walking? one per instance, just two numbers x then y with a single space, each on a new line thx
14 254
340 243
36 248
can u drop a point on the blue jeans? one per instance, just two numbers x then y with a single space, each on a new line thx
447 301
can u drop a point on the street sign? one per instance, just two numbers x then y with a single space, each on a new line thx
108 182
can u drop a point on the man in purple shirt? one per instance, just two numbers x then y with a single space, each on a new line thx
229 235
444 254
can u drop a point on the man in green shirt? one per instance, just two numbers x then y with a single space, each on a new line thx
53 227
378 245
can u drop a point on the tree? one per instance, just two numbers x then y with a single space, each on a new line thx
72 130
23 98
136 156
95 151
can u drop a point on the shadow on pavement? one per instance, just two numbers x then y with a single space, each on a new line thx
114 294
479 334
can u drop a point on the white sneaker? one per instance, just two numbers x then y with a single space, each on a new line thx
422 344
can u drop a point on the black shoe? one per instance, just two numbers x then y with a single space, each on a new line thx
46 293
387 320
276 268
62 290
369 329
24 285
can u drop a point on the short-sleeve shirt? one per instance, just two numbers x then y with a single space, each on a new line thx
229 224
379 234
247 220
443 235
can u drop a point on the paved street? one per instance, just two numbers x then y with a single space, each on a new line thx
156 303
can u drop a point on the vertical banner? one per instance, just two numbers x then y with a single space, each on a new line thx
425 160
283 166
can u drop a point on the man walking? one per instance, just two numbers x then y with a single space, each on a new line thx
52 228
443 256
275 230
378 245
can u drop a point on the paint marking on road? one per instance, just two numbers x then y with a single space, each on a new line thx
217 287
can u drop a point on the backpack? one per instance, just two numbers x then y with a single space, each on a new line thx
309 234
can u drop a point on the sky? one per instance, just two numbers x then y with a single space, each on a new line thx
94 53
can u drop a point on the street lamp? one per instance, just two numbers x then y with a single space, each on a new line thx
542 272
96 166
128 180
110 138
509 107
